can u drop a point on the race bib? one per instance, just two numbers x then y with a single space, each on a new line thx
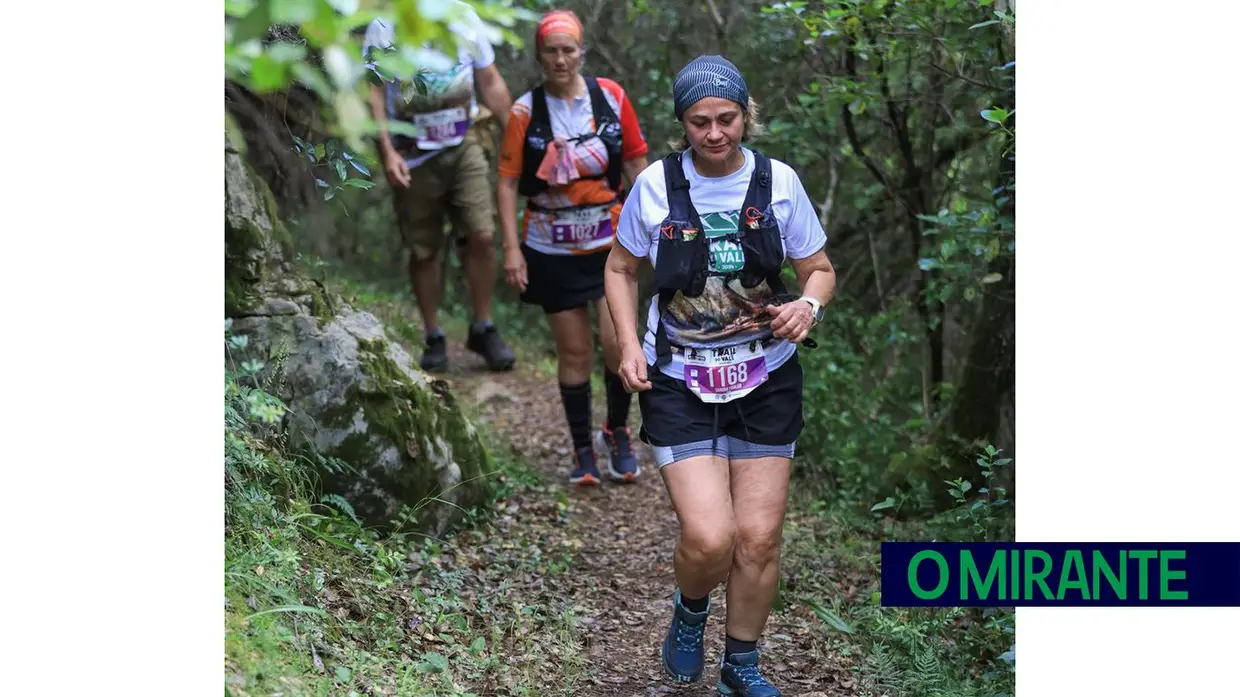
720 375
441 128
582 227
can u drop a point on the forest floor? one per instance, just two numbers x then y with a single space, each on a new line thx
619 540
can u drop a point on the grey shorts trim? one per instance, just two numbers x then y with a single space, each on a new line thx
726 447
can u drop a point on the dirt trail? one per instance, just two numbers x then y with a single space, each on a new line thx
621 579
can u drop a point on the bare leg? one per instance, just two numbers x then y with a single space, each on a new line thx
759 499
574 344
425 275
481 263
698 488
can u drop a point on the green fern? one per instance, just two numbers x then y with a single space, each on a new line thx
928 672
882 672
343 505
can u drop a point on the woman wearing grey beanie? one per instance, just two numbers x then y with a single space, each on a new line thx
717 373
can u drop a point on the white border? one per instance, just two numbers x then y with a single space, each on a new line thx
112 280
1126 379
1127 374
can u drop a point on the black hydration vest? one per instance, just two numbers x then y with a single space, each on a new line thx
538 136
684 260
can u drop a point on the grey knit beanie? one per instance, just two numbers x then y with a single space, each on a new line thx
708 76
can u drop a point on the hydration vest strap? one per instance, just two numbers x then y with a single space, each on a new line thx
604 115
758 197
680 208
662 346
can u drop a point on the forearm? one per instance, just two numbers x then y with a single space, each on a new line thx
506 201
816 275
620 288
820 285
495 95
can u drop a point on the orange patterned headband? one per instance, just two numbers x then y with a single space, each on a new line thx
558 22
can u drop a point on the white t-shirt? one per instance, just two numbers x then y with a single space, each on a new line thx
449 104
721 316
570 118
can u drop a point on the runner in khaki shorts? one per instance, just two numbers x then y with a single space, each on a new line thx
443 173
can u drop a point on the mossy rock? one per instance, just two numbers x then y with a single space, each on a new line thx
389 438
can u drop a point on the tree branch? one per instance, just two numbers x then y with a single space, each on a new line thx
850 128
833 185
899 120
960 76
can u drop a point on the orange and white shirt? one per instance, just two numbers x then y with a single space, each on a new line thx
571 118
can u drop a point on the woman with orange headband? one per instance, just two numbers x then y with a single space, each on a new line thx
571 146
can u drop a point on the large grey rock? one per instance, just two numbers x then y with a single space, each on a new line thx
393 437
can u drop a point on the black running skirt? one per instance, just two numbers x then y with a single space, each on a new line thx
559 282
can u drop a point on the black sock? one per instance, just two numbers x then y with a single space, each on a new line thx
577 410
733 646
694 604
618 401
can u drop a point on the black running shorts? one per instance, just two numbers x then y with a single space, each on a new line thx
765 422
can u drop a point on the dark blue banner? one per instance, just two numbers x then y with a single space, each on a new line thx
1069 574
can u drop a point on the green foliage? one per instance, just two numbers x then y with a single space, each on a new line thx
984 515
323 53
334 166
862 401
918 652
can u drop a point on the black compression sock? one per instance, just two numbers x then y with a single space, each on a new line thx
732 646
618 401
694 604
577 411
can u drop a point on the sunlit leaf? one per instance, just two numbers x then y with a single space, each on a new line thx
339 66
344 7
311 78
268 74
995 115
292 11
286 52
238 8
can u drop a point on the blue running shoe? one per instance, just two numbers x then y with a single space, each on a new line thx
621 462
739 677
586 471
683 652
